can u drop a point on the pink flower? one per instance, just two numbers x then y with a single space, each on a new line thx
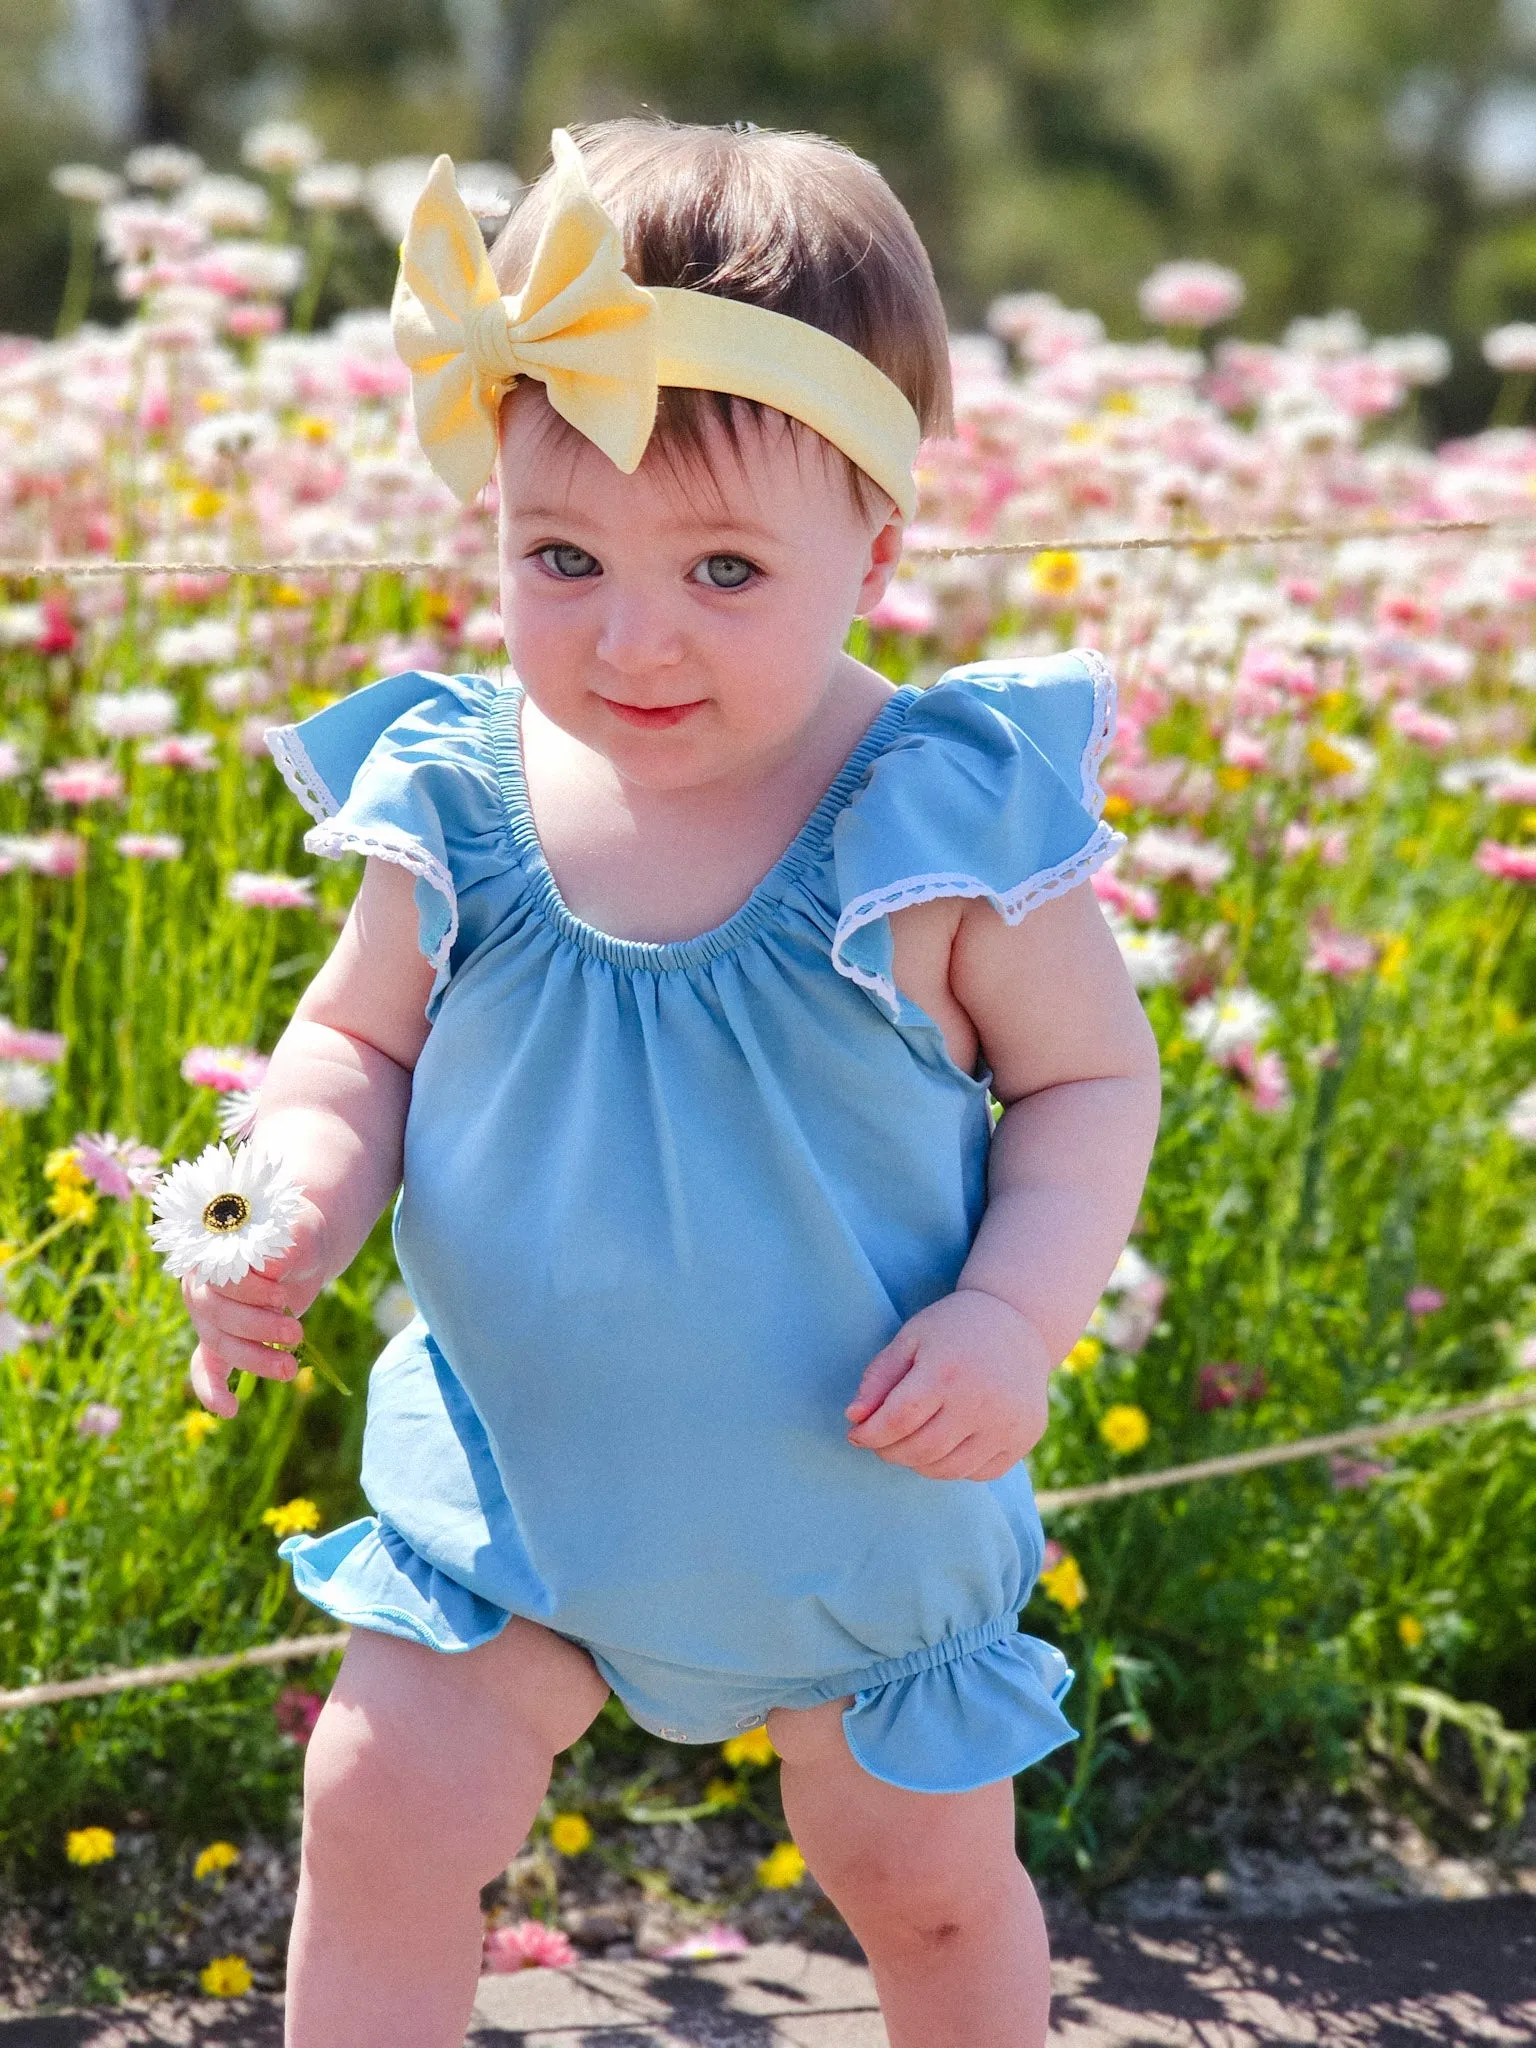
1513 785
1423 1301
905 608
1269 1087
98 1418
1190 294
1135 900
1342 954
1052 1556
48 1047
255 317
714 1940
1363 386
181 750
1350 1475
60 854
224 1067
119 1167
1244 749
150 846
527 1945
1509 863
83 782
1428 728
271 892
296 1712
1222 1386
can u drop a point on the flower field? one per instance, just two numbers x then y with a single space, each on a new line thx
1326 771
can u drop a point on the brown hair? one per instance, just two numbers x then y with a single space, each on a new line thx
790 221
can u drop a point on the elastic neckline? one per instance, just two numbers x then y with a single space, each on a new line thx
504 729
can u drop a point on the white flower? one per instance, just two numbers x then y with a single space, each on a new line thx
162 166
393 1309
328 188
223 1213
1417 358
1225 1024
24 1086
206 642
1333 334
1151 957
1512 347
85 183
230 206
237 1114
1520 1117
277 146
132 714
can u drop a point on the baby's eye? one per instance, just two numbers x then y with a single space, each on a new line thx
568 561
725 572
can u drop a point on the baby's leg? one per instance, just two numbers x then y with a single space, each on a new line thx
423 1777
930 1885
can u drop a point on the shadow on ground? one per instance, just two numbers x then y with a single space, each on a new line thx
1398 1977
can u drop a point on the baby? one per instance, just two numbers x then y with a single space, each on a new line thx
684 974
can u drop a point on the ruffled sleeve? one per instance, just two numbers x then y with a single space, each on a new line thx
990 789
400 770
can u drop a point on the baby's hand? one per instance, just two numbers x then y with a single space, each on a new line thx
958 1393
236 1323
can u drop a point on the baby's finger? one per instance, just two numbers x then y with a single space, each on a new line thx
885 1370
210 1382
930 1445
256 1325
239 1352
903 1411
257 1289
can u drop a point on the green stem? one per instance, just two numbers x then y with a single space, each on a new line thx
1513 395
322 245
81 275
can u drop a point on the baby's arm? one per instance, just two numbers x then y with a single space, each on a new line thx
333 1109
959 1392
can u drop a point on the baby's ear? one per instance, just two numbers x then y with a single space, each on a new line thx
884 556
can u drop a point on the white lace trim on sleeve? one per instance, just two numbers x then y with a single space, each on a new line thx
1014 904
299 772
385 842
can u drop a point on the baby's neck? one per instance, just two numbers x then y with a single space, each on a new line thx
665 864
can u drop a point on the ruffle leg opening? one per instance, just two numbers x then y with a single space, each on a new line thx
367 1576
961 1725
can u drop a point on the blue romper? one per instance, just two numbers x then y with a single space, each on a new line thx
661 1205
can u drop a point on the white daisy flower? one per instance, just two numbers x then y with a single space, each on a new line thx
223 1213
1223 1024
237 1114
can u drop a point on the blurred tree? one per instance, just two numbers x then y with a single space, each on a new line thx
1377 154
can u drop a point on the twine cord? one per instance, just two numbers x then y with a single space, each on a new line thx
294 1648
1080 543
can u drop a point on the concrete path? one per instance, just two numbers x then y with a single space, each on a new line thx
1394 1978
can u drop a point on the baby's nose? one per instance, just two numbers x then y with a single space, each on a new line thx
639 634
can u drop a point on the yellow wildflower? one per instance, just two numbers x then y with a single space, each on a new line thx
8 1251
71 1204
781 1868
304 1380
211 401
1410 1631
1084 1355
1232 777
1332 760
1528 821
198 1426
755 1747
217 1856
570 1833
203 503
90 1845
1331 700
1125 1427
59 1510
1055 572
1082 430
293 1518
1117 807
1119 401
724 1792
226 1977
289 594
63 1166
309 427
1393 956
1064 1583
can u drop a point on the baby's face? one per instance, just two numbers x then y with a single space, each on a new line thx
688 632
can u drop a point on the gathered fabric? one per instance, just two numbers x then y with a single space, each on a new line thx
662 1202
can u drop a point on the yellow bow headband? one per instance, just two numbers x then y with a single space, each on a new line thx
601 344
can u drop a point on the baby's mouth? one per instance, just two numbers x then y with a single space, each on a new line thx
656 717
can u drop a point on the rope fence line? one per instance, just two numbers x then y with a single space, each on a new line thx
18 566
294 1648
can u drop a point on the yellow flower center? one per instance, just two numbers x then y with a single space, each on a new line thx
227 1212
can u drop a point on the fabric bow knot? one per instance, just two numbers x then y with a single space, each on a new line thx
580 324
